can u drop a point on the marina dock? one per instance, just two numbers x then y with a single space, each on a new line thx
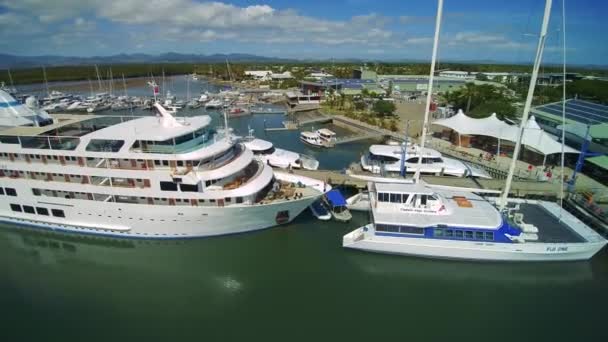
520 188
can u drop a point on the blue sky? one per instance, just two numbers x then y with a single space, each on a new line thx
471 30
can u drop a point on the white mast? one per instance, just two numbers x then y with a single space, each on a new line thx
98 77
124 84
46 81
528 105
561 190
429 93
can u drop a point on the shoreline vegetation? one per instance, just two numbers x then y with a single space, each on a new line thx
237 70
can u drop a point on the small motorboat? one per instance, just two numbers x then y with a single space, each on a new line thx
319 211
337 206
358 202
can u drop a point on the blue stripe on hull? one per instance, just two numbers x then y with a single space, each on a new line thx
9 104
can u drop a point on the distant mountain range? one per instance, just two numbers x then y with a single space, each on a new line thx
20 62
15 62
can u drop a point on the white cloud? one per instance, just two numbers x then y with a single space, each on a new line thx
210 21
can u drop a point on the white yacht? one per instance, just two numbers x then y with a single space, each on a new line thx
320 138
416 219
387 160
277 157
214 104
142 177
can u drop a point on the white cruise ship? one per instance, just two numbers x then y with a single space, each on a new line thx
144 177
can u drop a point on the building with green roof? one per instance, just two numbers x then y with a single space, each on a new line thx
581 116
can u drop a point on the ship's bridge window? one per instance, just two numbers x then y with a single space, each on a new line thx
395 198
105 145
9 139
385 159
383 197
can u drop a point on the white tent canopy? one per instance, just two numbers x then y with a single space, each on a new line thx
534 137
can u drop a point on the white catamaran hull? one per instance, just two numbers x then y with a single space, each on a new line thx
470 250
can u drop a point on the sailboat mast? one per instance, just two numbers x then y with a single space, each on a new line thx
563 161
46 81
10 78
429 93
528 104
98 77
124 84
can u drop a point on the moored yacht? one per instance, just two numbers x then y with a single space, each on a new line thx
387 160
142 177
320 138
214 104
266 152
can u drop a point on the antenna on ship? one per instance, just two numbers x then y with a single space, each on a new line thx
528 104
429 92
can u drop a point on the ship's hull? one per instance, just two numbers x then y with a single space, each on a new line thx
151 221
470 250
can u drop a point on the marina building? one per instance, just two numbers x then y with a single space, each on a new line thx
582 118
465 75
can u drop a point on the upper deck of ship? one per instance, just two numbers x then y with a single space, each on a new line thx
112 127
420 206
119 136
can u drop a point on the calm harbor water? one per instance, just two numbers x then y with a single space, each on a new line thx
293 282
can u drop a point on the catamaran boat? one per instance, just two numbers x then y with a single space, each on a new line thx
142 177
387 160
320 138
277 157
419 220
442 222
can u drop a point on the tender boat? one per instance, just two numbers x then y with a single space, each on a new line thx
415 219
277 157
386 160
337 206
319 211
320 138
